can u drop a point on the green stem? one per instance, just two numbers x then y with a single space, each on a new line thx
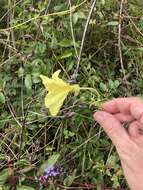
92 89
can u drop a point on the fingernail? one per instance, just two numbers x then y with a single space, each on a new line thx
98 116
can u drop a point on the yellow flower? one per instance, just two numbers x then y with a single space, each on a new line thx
57 92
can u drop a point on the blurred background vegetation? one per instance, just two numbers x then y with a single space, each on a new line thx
39 37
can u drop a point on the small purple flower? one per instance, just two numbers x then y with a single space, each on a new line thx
42 179
51 171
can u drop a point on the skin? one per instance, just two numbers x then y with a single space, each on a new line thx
128 142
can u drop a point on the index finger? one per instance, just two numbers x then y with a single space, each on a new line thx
125 106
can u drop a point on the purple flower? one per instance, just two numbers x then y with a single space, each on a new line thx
50 171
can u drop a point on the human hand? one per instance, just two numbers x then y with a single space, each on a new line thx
128 142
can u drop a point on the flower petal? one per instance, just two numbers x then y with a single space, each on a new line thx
54 101
55 75
57 92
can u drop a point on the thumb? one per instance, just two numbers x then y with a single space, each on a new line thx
112 127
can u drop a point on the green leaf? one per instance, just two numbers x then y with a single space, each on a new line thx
68 134
66 54
53 44
23 187
35 77
2 98
140 49
20 72
103 87
111 162
37 62
70 179
2 83
40 48
4 174
60 7
50 162
117 83
65 43
28 82
75 18
113 23
81 15
103 2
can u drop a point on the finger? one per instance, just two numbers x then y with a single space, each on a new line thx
136 110
134 129
112 127
124 117
120 105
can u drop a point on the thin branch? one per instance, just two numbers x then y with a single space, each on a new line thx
8 147
130 39
72 31
135 26
13 112
48 6
83 39
133 23
119 40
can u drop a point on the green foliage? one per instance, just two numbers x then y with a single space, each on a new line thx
70 179
4 174
37 43
2 98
